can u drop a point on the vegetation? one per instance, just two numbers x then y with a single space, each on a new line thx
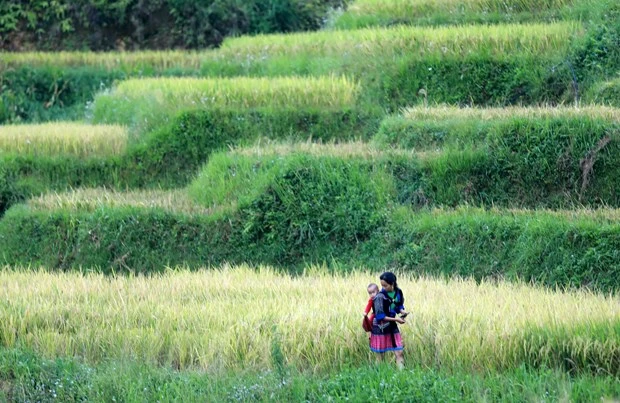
105 25
27 376
606 93
147 103
175 320
365 13
193 241
558 249
480 65
63 138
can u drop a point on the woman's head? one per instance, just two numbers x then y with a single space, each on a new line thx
388 281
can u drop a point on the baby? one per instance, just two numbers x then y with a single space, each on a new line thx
373 290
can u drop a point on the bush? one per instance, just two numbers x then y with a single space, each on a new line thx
105 25
290 206
524 158
553 249
556 249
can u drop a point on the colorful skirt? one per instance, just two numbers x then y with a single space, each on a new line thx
388 340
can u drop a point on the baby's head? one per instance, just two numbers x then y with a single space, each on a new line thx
373 290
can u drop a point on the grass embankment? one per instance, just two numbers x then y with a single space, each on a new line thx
343 216
469 64
232 318
147 103
223 113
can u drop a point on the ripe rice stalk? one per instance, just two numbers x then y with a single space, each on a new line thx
124 61
400 9
148 102
63 138
90 199
224 319
527 40
443 112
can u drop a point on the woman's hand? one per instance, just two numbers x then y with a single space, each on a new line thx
403 314
399 320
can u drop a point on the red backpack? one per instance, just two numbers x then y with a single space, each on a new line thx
366 324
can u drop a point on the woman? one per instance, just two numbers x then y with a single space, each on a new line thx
385 335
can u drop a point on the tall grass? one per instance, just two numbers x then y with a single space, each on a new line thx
444 112
146 101
498 41
90 199
63 138
411 7
232 317
463 40
365 13
123 61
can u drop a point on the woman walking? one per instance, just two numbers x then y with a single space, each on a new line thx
385 335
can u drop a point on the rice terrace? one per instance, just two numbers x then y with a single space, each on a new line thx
196 198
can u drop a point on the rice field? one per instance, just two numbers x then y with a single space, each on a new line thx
63 138
525 39
229 318
446 112
145 101
124 61
412 7
498 41
362 13
91 199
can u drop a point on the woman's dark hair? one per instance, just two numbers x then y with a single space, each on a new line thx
389 278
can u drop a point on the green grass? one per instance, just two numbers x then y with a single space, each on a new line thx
25 376
528 40
445 127
606 93
151 102
366 13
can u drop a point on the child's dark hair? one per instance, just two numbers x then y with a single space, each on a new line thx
389 278
373 286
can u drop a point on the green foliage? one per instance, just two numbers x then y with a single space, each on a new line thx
105 25
293 205
504 69
115 240
337 217
518 161
597 55
26 376
606 93
24 176
539 248
50 93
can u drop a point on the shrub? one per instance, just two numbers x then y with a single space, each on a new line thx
157 24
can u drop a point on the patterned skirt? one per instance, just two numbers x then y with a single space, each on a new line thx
387 340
